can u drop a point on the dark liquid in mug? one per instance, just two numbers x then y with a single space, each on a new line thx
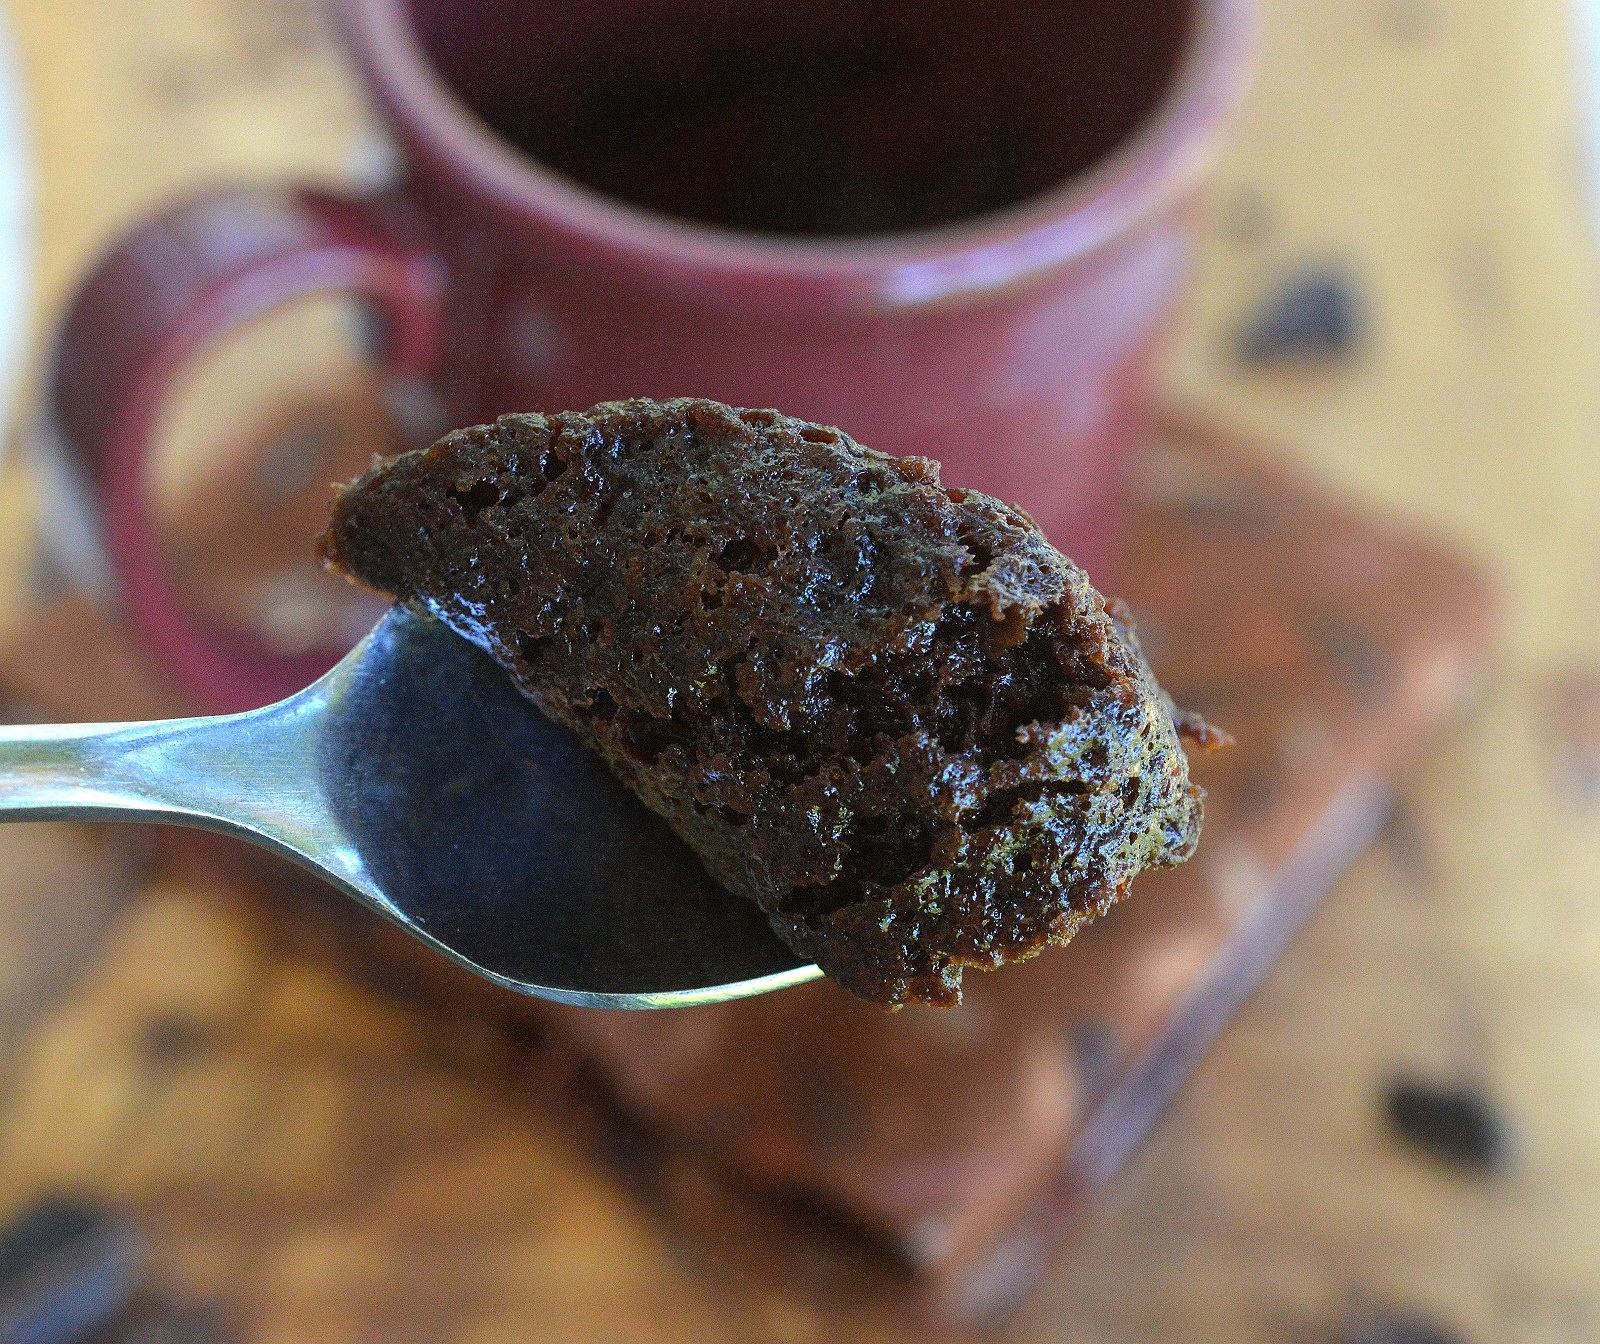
872 119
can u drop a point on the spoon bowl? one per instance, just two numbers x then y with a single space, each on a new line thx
416 778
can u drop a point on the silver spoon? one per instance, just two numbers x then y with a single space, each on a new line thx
416 778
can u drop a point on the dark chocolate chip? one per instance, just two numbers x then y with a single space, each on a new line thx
169 1041
1315 315
67 1268
1458 1124
1398 1328
163 1325
1409 847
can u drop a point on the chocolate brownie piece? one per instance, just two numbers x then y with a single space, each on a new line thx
888 711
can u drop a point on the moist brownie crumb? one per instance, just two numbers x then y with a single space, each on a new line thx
888 711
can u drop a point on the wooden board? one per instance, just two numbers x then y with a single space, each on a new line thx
955 1148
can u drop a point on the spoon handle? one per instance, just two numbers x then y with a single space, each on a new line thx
78 771
255 775
251 774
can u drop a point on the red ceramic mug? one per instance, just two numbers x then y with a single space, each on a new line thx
1011 342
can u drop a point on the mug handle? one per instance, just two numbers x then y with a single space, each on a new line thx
176 281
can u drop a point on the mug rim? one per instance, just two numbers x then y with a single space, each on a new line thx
1152 169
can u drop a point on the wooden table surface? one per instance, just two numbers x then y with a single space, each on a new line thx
1429 146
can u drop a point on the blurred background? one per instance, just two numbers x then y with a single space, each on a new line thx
250 1132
